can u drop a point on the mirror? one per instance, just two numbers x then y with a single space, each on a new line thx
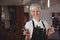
8 18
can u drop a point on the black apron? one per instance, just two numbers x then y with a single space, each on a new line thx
38 33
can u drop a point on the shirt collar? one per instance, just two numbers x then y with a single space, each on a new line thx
36 23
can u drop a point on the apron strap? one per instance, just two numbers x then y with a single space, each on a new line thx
43 24
33 24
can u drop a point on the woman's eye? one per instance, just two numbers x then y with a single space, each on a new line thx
33 11
37 11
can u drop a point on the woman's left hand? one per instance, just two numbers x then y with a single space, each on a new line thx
51 31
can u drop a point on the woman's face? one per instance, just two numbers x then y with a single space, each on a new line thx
35 12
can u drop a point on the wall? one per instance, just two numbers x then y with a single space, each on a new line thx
46 13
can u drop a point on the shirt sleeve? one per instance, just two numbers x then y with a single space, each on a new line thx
28 27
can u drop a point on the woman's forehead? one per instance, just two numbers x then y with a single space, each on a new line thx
35 8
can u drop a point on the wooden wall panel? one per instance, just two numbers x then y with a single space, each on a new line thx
19 24
0 16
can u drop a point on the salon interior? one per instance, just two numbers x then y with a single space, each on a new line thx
15 13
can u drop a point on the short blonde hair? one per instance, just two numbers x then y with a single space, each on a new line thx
35 6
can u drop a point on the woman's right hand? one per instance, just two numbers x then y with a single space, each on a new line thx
26 33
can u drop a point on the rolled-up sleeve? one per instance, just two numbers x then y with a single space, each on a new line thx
29 26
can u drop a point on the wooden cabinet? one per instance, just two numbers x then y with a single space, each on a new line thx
17 35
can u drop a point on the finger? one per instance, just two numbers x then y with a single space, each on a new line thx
24 29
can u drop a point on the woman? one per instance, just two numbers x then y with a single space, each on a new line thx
37 29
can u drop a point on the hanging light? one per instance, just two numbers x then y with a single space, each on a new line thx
48 4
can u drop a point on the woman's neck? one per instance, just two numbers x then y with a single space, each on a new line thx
37 19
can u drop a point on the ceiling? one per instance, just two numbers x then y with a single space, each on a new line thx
13 2
27 2
54 2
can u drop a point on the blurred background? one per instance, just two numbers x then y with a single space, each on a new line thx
15 13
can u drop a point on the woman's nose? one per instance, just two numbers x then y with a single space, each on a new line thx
36 12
